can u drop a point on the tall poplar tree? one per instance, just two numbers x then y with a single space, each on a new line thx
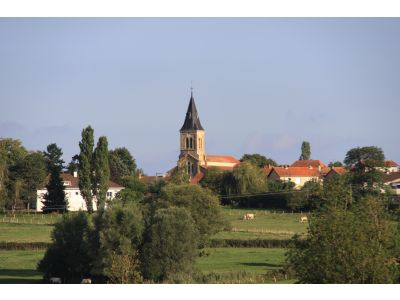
54 200
85 166
305 151
101 172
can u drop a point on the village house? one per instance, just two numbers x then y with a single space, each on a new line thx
335 171
73 195
390 166
298 175
392 179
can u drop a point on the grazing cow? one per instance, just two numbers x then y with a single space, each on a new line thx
249 216
86 281
303 219
55 280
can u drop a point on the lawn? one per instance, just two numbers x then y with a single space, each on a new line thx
266 225
19 266
24 233
254 260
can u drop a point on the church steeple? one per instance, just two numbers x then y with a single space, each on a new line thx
192 121
192 155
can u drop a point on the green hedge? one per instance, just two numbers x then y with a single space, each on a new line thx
23 246
256 243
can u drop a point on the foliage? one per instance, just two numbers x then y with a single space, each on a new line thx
335 164
101 172
346 243
363 162
85 166
202 204
124 269
54 199
258 160
117 236
32 171
280 185
305 151
248 179
156 186
307 198
213 180
69 257
180 176
122 164
73 166
133 192
170 249
12 153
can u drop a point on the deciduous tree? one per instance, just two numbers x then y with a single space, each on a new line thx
305 151
101 171
363 163
85 171
121 163
258 160
170 249
347 242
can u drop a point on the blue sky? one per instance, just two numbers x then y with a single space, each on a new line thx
261 85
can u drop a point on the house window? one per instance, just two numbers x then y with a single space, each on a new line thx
77 193
109 194
187 143
191 143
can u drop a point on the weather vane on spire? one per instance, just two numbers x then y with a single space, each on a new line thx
191 87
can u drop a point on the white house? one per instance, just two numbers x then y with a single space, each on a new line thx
392 179
73 195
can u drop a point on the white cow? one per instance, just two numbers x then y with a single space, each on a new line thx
249 216
55 280
86 280
303 219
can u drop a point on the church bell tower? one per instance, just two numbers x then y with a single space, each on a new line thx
192 154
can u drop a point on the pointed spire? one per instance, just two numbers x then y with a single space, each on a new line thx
192 121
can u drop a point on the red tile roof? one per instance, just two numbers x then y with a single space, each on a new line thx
296 172
391 177
390 164
74 181
306 163
339 170
325 170
197 178
267 169
222 158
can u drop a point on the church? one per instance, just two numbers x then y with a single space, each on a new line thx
193 157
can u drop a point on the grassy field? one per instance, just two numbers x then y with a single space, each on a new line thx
266 225
24 233
19 266
254 260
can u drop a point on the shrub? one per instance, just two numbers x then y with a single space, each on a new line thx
68 256
170 248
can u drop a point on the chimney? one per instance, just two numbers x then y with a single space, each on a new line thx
319 168
286 167
75 174
310 167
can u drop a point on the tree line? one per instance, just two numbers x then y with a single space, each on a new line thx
23 172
